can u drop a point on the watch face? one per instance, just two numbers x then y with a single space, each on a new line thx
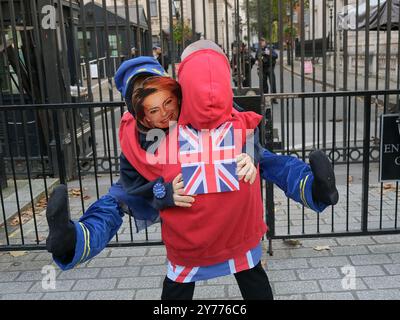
159 190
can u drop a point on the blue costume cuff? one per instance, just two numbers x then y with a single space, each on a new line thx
82 247
306 194
169 198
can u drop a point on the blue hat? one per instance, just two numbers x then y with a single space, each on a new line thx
129 69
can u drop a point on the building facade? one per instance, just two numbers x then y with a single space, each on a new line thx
218 27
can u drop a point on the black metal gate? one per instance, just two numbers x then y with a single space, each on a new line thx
336 72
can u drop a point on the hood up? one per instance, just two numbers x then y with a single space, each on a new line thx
207 99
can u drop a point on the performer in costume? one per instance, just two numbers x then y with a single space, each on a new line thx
74 242
101 221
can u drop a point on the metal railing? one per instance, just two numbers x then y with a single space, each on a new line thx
326 75
95 173
22 223
366 206
98 67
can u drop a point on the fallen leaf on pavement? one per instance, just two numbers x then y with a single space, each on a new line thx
75 192
292 242
25 217
321 248
42 203
389 187
16 254
350 179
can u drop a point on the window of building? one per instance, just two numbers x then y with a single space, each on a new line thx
80 35
82 45
153 8
112 41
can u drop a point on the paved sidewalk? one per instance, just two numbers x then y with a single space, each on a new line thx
311 269
296 272
354 82
24 195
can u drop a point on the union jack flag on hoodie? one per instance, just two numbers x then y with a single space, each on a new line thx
207 159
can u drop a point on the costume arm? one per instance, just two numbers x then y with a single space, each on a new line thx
291 175
135 185
94 230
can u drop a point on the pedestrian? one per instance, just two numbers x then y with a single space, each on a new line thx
163 59
133 52
269 57
248 61
237 66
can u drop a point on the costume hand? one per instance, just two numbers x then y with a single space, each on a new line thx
324 185
62 235
246 168
180 199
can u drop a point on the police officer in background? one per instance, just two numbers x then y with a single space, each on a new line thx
133 53
249 61
157 53
269 57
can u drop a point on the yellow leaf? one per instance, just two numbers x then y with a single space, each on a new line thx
41 203
321 248
75 192
350 179
387 186
16 254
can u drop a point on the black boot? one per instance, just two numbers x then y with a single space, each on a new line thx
62 235
324 185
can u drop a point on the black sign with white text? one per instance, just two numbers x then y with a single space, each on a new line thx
390 148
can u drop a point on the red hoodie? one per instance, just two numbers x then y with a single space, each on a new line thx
218 226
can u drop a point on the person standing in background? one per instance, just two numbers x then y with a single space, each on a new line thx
162 59
133 52
269 57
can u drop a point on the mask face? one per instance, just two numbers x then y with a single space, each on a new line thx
159 109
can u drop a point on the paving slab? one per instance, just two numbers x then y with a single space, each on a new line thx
310 277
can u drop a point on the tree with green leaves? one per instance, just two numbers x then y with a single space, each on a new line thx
269 12
182 33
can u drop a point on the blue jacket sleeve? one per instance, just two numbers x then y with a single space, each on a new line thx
292 176
143 213
134 184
